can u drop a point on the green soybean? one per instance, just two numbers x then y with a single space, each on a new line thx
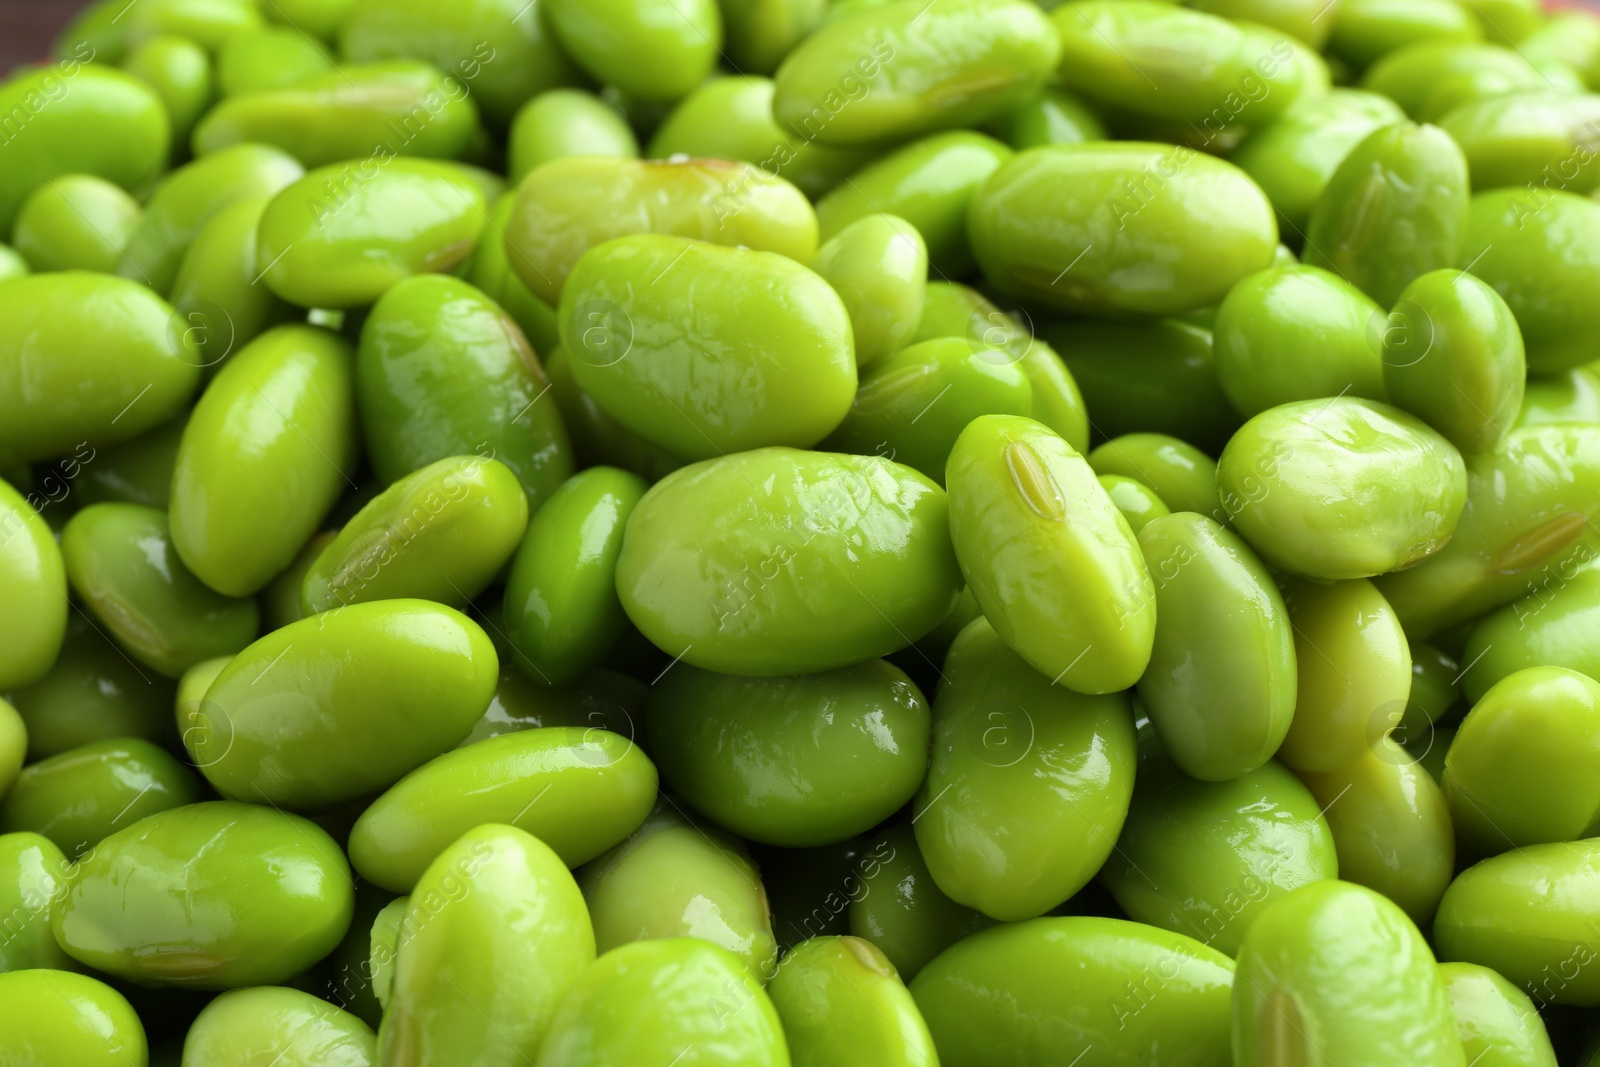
841 1003
33 580
1498 1024
34 872
1183 476
217 296
900 909
180 72
879 267
71 1018
653 50
75 222
244 1027
566 122
267 60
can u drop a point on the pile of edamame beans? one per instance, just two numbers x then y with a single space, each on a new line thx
751 533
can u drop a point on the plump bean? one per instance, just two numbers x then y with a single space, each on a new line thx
1114 206
463 990
33 581
277 890
268 60
1430 79
900 909
761 32
1022 993
243 1026
1183 476
1497 1022
787 583
580 791
63 331
1220 688
33 872
1138 502
1364 31
571 205
654 50
264 456
895 70
879 267
75 222
59 1017
1395 209
841 1003
797 762
1387 1006
670 343
1280 467
217 296
180 72
674 879
566 122
379 110
1529 139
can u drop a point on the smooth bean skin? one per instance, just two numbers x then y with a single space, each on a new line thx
33 869
494 934
1300 18
831 559
566 122
953 310
206 22
75 222
900 909
1150 374
1395 209
216 295
277 892
1051 116
1338 969
1401 487
1027 516
1430 79
1530 915
1354 672
443 371
33 585
879 267
1024 993
1453 355
248 1027
81 119
266 453
1220 687
490 271
269 59
63 331
1524 768
1214 854
191 694
340 704
731 118
1568 37
1208 227
189 197
1138 502
370 111
86 794
180 72
498 50
760 33
667 337
913 406
1497 1023
1571 396
580 791
597 438
91 692
1435 675
440 533
121 562
1183 476
930 183
562 613
344 235
569 206
673 879
1033 781
13 744
1511 139
1297 333
60 1017
648 1001
798 762
1528 506
1518 236
600 700
1364 31
1554 625
652 50
895 70
841 1003
1293 157
1391 827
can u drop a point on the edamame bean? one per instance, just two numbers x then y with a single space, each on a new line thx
1029 782
1220 687
1430 79
33 581
566 122
1497 1022
879 267
277 892
901 910
895 70
1401 487
264 456
1364 31
246 1027
267 60
761 32
669 342
440 533
1339 970
1395 209
798 762
653 50
1137 501
785 583
1183 476
180 72
463 990
1529 137
1201 217
580 791
62 1017
217 295
75 222
32 870
841 1003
